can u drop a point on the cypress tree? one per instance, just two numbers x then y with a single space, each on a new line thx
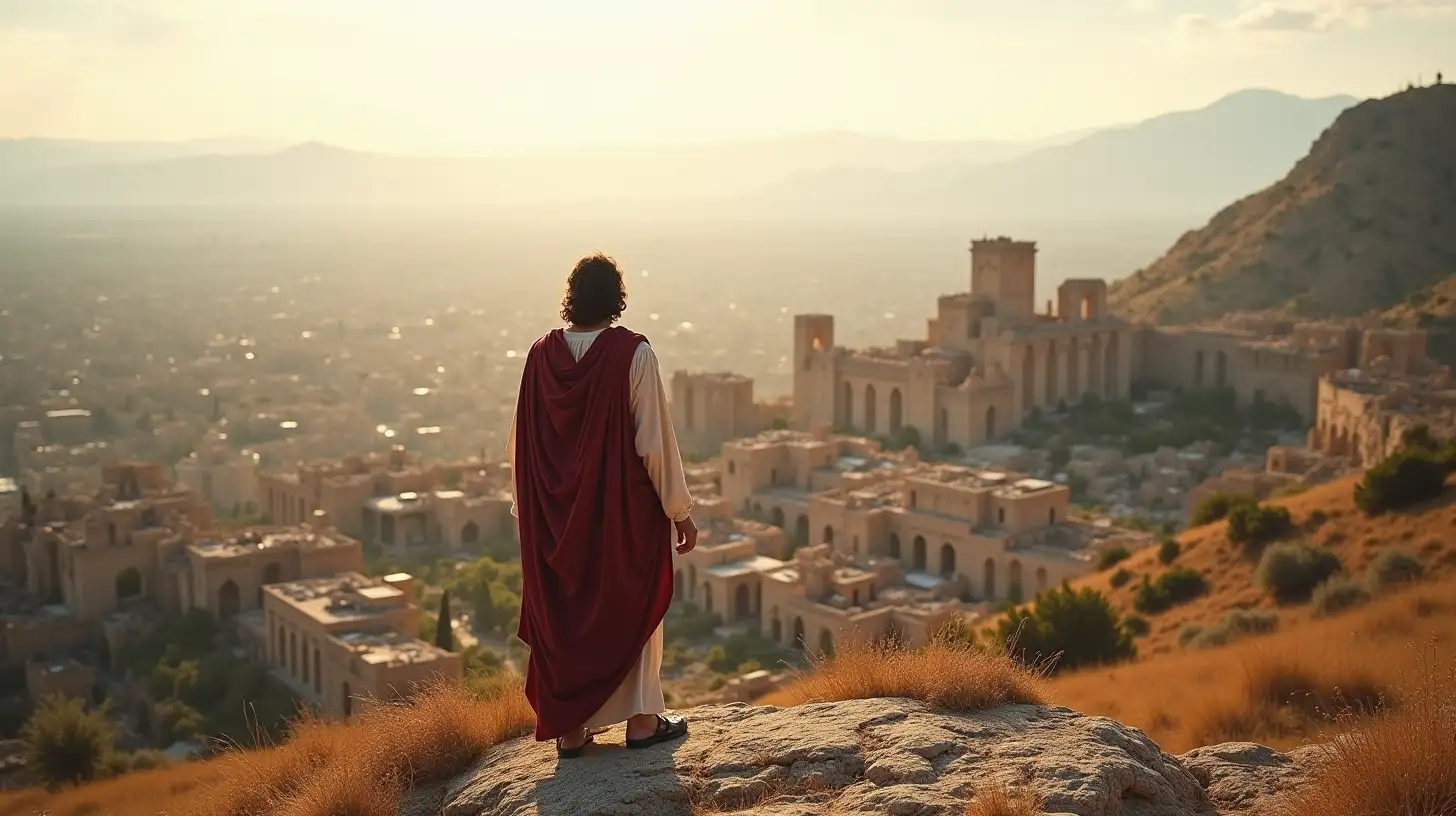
444 634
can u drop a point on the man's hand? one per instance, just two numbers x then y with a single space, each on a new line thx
687 535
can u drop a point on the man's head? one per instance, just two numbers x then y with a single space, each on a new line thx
595 292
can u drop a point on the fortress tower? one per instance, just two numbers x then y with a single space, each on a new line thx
1003 272
815 374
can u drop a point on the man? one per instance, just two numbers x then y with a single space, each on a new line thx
601 498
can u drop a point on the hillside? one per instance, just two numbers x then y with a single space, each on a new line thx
1186 163
1324 516
1364 220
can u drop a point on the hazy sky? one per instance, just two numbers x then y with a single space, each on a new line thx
490 75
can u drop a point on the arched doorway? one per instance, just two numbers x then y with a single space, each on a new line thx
801 530
1041 580
828 537
895 546
1015 588
1051 374
799 634
895 410
826 643
742 602
848 418
947 560
869 409
128 584
919 554
1028 379
988 580
272 574
470 534
777 628
1110 371
777 517
228 602
990 422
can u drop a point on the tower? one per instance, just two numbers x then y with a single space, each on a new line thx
815 371
1003 271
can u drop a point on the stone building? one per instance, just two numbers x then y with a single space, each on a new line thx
396 501
344 639
227 576
1363 414
988 358
710 408
59 677
226 480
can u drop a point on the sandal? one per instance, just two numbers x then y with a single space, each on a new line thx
668 729
572 753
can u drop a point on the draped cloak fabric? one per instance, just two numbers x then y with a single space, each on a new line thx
596 567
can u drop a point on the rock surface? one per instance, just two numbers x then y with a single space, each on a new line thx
896 757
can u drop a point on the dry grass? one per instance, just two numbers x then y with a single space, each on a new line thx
1279 689
1402 763
944 676
360 768
1002 800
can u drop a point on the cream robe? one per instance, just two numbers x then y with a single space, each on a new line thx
641 692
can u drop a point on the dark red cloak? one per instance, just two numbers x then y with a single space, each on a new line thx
596 557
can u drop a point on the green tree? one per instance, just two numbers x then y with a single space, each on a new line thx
1074 627
1256 524
1408 476
1169 550
1112 557
65 743
1291 570
1216 507
444 633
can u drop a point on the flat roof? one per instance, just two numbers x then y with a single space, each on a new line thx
387 647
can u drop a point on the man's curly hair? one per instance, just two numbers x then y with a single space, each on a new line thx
595 292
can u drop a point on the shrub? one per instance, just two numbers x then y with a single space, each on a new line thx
1392 567
1111 558
65 743
1136 625
1408 476
1291 570
1169 550
1337 594
1120 578
1177 585
1077 627
1190 634
1256 524
1217 507
1250 621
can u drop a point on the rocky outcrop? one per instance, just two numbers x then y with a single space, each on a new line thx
870 757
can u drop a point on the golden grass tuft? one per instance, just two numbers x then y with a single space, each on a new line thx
1403 762
945 676
1003 800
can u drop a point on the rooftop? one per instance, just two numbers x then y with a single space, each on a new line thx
250 543
341 598
387 647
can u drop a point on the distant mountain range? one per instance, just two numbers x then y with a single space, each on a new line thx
1366 221
1188 162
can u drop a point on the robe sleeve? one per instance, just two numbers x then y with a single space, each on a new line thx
656 439
511 458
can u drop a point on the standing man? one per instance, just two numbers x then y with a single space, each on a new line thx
601 500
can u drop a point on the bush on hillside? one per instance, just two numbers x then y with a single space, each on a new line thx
1112 557
1291 570
1236 624
1217 507
65 743
1258 524
1391 568
1121 577
1169 550
1176 586
1079 626
1338 593
1136 625
1408 476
